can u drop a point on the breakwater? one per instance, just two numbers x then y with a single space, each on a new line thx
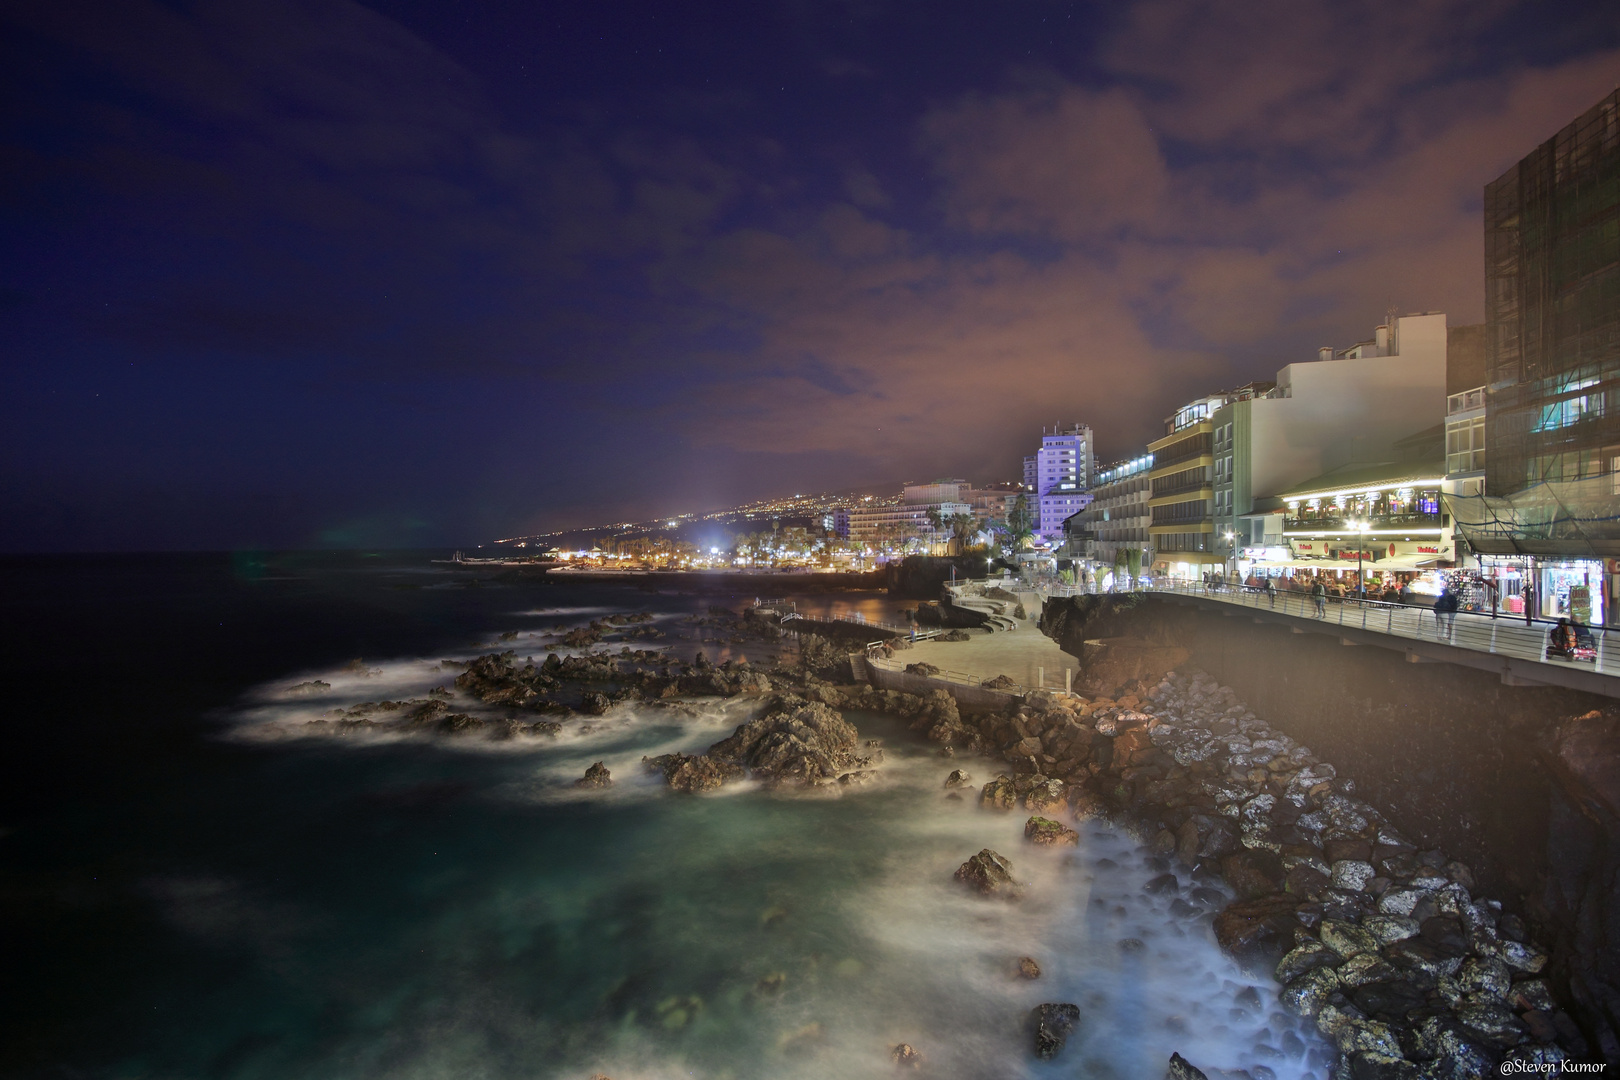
1520 783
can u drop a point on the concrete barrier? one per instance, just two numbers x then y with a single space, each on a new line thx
968 698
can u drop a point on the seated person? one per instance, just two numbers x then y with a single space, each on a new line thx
1561 639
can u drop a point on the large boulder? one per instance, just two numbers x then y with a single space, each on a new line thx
999 794
1049 833
1254 926
794 742
1052 1024
988 874
1181 1069
596 776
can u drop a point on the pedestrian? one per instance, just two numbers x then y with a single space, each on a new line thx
1271 593
1529 594
1445 611
1406 593
1319 598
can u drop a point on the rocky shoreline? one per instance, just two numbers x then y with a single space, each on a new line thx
1381 945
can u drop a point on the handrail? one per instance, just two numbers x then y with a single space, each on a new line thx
1503 634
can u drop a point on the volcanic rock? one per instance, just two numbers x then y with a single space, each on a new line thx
1181 1069
1053 1024
596 776
988 874
1049 833
795 741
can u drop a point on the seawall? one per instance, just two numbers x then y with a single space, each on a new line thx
1522 782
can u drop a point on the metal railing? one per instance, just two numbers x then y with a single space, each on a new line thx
1504 635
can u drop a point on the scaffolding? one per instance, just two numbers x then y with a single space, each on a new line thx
1552 296
1565 519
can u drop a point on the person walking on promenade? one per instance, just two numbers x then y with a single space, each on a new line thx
1406 593
1445 612
1529 603
1319 598
1271 592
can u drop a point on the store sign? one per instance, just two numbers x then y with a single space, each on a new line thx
1424 549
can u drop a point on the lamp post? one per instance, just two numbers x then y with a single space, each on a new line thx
1231 551
1361 528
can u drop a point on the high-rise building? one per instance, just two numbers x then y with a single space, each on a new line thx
1548 521
1059 474
1552 304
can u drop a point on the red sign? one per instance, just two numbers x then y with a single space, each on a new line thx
1428 550
1303 547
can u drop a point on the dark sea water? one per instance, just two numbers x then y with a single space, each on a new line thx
195 886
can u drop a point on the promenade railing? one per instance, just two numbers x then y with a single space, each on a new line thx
1505 634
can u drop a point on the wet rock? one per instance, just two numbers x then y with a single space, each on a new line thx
1253 873
1346 939
1521 957
1028 968
1265 922
597 776
794 742
1445 1045
1203 836
1364 968
906 1056
1049 833
1390 928
1492 1023
988 874
1181 1069
694 772
1307 994
1307 957
924 669
1351 874
1045 798
594 703
958 778
999 794
1479 975
1445 933
314 686
1371 1065
1421 961
1053 1024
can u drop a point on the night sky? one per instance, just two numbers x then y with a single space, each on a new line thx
283 274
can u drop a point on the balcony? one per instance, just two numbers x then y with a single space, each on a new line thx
1378 523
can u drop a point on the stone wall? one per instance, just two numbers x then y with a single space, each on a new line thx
1521 782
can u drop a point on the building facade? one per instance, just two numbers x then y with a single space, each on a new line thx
1059 474
1349 406
1181 495
1552 304
1118 517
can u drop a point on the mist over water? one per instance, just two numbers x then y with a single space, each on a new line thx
426 907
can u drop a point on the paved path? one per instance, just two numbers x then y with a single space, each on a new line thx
1018 654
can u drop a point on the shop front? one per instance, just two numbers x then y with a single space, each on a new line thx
1580 590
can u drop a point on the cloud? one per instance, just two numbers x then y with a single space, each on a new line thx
1068 161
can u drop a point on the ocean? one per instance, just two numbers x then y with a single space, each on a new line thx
196 885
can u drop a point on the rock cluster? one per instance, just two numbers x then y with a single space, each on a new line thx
794 742
1384 946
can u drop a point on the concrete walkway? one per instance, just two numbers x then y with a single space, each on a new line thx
1019 654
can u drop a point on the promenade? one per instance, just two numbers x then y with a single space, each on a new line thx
1503 645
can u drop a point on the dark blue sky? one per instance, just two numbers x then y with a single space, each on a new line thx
293 274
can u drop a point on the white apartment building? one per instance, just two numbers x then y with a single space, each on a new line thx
1059 474
1118 517
1348 405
